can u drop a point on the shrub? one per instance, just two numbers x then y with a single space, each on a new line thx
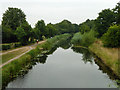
112 37
85 39
76 38
5 46
10 45
18 44
88 38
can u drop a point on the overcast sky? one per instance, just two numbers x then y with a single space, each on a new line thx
54 11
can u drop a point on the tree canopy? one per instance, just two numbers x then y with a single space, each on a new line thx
112 37
104 20
13 18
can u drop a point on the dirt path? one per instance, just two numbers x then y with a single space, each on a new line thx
30 48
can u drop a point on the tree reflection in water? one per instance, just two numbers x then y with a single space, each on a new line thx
87 56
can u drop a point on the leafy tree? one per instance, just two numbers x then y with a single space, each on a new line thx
104 20
88 38
28 30
40 29
66 27
13 18
112 37
21 35
0 34
84 28
85 39
75 28
51 30
8 35
117 12
87 26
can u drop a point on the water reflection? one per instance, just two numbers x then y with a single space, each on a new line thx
67 69
66 44
87 56
42 59
63 69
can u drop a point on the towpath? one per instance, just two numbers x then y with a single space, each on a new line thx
29 47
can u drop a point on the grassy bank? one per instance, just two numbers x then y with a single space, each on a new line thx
18 66
24 63
109 56
10 55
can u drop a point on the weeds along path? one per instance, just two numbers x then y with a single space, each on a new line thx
26 47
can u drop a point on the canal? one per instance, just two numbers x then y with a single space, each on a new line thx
65 68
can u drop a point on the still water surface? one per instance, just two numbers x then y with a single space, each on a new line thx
65 68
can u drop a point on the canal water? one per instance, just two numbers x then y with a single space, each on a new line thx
65 68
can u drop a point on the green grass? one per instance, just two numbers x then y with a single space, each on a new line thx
108 55
10 55
13 68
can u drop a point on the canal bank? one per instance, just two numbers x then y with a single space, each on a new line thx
22 65
109 56
65 68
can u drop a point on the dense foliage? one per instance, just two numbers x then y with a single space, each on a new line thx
66 27
15 28
39 29
87 26
12 19
104 20
112 37
85 39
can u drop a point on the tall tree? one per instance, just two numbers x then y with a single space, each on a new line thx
51 30
13 18
104 20
117 12
20 32
40 28
87 26
27 29
112 37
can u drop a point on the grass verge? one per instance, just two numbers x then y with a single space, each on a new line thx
109 56
10 55
22 64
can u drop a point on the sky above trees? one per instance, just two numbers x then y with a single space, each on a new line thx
54 11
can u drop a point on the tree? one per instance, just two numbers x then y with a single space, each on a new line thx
7 34
0 35
65 27
84 28
40 29
51 30
21 35
27 29
112 37
117 12
13 18
104 20
87 26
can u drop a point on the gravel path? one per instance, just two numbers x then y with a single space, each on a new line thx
30 48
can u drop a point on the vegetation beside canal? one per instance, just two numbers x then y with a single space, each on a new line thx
21 65
109 56
6 57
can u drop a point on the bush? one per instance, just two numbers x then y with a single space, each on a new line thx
10 45
50 43
76 38
5 46
88 38
112 37
18 44
85 39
